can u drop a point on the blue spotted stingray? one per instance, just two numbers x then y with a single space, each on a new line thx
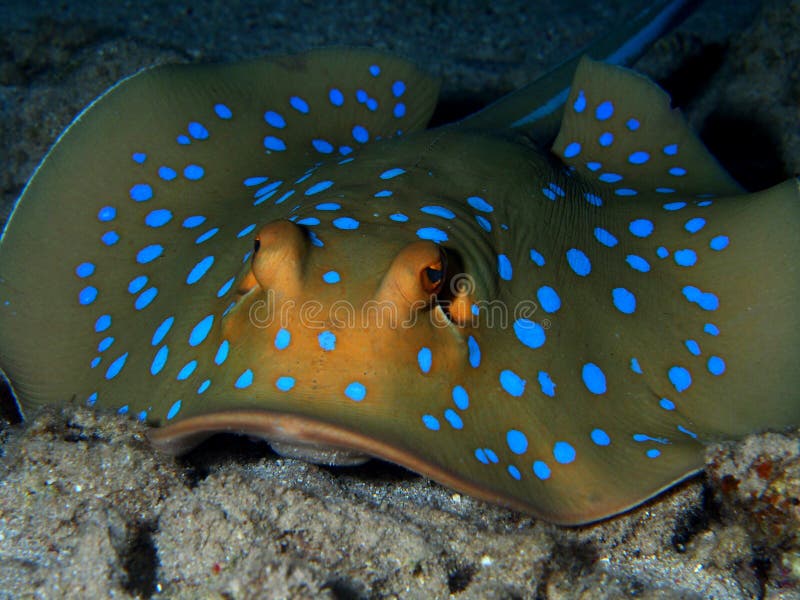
552 305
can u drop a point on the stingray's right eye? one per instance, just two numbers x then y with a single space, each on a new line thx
256 244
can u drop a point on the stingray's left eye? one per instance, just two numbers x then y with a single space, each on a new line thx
256 244
432 276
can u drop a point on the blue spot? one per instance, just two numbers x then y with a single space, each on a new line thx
299 104
670 149
92 399
95 361
199 270
225 287
139 157
549 194
706 300
398 88
635 367
374 70
638 158
610 177
667 190
579 262
122 410
580 102
174 410
84 270
594 165
141 192
105 344
674 206
187 370
593 199
693 347
685 257
481 455
600 437
512 383
683 429
327 340
719 243
653 453
166 173
632 124
438 211
399 217
318 187
194 172
479 203
145 298
87 295
222 352
207 235
360 134
624 300
183 140
604 110
541 470
195 221
331 277
625 192
392 173
483 222
716 365
222 111
572 149
284 384
355 391
372 104
548 299
344 151
531 334
641 227
315 239
662 252
546 384
107 213
424 358
460 397
274 119
149 253
680 378
514 472
197 131
103 323
453 418
162 330
474 352
504 267
244 380
383 194
308 221
328 206
431 423
204 386
345 223
711 329
361 96
666 404
677 171
694 225
594 378
637 263
432 233
274 143
399 110
110 238
606 139
537 258
336 97
282 339
158 218
322 146
115 367
246 230
201 330
563 453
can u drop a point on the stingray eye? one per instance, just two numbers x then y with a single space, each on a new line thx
432 276
256 244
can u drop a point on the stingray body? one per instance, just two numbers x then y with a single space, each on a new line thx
279 248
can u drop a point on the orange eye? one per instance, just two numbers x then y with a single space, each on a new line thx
432 277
